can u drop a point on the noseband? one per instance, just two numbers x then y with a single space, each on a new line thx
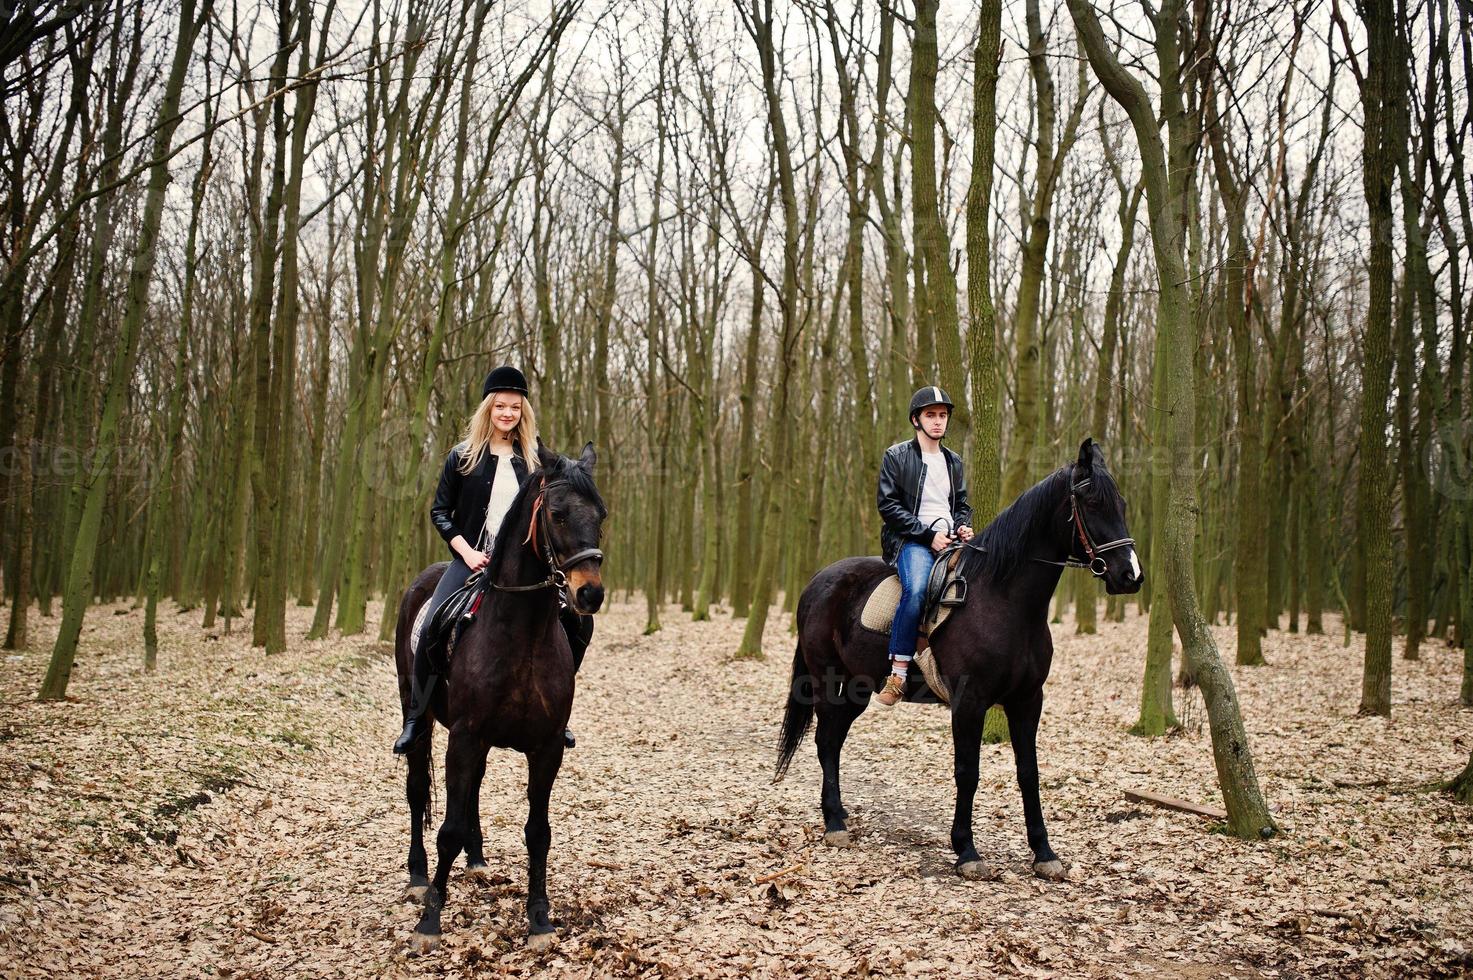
557 566
1092 551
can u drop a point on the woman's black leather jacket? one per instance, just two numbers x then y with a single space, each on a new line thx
461 498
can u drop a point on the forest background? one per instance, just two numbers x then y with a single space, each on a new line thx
258 258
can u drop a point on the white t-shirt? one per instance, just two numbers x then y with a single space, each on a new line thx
503 491
935 493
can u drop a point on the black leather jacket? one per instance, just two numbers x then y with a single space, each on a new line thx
902 474
461 498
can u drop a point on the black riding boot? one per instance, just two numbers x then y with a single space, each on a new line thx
580 633
421 686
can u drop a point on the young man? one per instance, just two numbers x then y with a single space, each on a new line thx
923 501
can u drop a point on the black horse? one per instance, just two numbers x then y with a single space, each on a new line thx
510 682
995 649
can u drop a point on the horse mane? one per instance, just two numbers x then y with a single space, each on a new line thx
997 551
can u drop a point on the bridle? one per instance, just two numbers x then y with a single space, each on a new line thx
1092 551
557 566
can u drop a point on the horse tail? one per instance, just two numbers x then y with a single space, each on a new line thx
798 716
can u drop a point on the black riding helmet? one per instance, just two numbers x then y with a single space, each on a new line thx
928 397
505 378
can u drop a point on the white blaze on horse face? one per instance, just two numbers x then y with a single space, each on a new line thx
1135 566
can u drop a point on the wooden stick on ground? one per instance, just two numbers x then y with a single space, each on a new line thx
1172 803
774 875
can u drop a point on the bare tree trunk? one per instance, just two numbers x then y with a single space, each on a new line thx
984 464
1050 166
1380 93
758 21
1164 169
936 317
80 574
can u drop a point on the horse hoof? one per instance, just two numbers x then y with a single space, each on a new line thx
481 870
539 941
973 870
416 894
421 944
838 838
1051 870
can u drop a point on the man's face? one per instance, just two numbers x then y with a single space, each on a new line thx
934 420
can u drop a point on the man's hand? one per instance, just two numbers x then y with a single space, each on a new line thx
941 542
964 532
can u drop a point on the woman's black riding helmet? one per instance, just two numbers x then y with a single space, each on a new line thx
505 378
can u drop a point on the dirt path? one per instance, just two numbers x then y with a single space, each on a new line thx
241 816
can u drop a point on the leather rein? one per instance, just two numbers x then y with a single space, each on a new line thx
557 577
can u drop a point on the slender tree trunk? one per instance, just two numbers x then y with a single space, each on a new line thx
759 23
984 466
80 574
1164 170
937 317
1379 94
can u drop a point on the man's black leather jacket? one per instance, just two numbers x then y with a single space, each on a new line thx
461 498
902 473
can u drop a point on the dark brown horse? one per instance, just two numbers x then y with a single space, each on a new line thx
510 682
995 649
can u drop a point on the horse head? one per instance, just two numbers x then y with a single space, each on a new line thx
1101 538
570 524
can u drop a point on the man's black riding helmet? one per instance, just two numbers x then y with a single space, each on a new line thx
928 397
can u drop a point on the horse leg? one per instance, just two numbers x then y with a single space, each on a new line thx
465 761
475 859
417 791
542 769
1023 724
836 711
966 739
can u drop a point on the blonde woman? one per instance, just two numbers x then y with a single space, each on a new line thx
479 480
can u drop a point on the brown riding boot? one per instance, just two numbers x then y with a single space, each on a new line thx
892 692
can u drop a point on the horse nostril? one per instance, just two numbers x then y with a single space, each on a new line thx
591 597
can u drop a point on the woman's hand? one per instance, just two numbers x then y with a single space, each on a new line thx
964 532
474 559
940 542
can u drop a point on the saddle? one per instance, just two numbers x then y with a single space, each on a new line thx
945 590
454 615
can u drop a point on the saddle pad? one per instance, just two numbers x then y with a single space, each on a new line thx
441 622
926 661
879 609
417 630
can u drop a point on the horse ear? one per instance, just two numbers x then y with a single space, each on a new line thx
546 457
588 458
1086 454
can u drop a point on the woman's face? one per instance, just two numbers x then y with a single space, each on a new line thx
506 411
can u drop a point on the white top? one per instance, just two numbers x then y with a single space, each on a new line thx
935 493
503 491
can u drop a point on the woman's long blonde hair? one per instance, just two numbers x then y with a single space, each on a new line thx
480 429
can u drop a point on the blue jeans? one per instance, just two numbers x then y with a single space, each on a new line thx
913 565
